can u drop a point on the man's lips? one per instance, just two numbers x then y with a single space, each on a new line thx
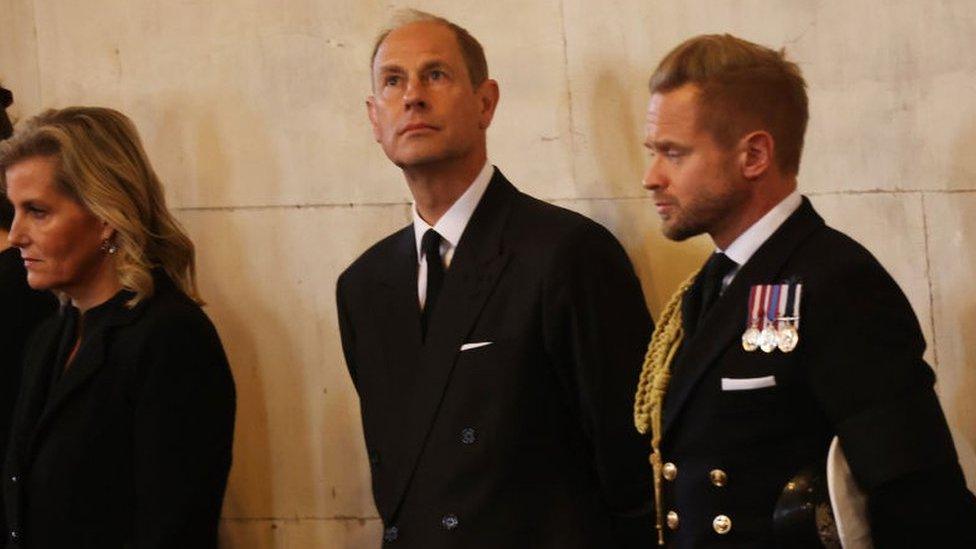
416 126
663 206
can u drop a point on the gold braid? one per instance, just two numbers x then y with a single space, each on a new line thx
654 379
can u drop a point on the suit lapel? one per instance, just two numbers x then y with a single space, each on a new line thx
397 309
725 321
477 264
87 362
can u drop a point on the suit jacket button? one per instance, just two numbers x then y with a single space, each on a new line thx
722 524
449 522
391 534
670 471
718 477
14 535
468 435
672 520
14 479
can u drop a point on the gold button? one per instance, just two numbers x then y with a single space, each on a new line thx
672 520
722 524
670 471
718 477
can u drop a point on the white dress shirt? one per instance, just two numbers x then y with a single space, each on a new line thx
742 248
450 226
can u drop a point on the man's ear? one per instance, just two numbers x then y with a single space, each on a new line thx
373 119
758 154
488 95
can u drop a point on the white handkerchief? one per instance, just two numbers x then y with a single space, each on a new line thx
747 383
468 346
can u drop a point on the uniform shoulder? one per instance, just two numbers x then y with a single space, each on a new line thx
835 253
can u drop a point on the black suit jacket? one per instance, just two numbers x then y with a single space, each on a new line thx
21 310
131 445
528 441
857 372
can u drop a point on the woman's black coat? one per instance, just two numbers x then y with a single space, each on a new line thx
130 446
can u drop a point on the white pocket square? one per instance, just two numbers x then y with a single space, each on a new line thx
747 383
468 346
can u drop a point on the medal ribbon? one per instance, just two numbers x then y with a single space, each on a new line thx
784 292
753 311
773 307
795 309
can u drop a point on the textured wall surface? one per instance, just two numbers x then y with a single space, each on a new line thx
253 113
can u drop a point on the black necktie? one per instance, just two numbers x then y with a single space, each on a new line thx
430 246
714 271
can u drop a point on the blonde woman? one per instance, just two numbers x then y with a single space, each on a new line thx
122 433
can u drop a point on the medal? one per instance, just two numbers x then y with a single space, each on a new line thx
768 339
750 338
789 331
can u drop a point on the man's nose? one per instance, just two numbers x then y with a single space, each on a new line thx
654 177
415 94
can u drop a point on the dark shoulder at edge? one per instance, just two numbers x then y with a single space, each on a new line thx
541 221
834 252
375 254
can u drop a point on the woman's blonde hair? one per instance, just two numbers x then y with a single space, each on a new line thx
102 165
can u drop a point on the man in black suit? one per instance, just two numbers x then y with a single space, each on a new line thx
760 380
491 340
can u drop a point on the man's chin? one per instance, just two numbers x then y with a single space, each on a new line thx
679 233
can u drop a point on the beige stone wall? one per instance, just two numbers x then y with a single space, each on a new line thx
253 114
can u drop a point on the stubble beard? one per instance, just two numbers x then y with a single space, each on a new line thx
703 215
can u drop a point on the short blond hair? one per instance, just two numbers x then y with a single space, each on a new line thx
101 164
742 87
471 50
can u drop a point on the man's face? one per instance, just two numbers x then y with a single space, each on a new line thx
424 109
695 182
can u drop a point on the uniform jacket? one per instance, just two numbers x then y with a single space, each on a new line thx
21 310
857 372
131 445
528 441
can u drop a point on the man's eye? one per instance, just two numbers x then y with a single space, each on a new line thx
437 74
391 81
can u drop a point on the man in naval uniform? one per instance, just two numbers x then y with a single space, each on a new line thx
495 341
745 382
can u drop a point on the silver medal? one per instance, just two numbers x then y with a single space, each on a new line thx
750 339
788 337
767 339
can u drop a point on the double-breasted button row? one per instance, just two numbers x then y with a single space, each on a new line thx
718 477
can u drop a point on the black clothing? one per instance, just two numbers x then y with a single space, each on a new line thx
21 310
527 439
857 372
130 446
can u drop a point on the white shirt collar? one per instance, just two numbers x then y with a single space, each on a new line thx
451 225
748 242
